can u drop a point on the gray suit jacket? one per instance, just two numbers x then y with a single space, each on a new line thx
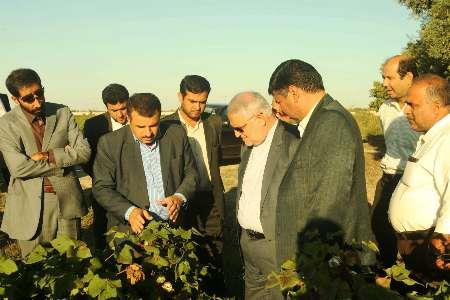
119 178
17 143
324 187
213 127
283 148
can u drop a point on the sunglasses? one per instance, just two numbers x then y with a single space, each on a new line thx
38 94
241 128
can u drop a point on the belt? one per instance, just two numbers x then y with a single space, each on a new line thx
49 189
254 235
415 235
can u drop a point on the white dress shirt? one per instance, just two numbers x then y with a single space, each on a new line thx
422 197
197 141
116 125
304 122
400 139
249 211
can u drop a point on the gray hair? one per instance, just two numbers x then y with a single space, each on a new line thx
249 103
437 88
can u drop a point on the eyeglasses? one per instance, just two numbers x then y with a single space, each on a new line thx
241 128
38 94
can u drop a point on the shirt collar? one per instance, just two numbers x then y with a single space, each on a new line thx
196 126
115 124
304 122
435 129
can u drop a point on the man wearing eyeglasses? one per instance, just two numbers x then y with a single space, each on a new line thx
40 142
269 147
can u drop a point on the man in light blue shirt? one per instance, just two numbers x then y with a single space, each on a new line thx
145 169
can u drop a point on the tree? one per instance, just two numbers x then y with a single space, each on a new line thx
379 95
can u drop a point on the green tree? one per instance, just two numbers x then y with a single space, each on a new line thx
379 95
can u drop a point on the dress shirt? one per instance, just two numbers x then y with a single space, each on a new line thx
304 122
116 125
2 109
400 139
422 197
249 212
197 141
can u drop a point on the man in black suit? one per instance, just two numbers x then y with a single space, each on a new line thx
324 187
205 212
115 98
145 168
4 173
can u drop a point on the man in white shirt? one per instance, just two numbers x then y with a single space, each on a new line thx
206 210
269 147
420 206
398 73
115 97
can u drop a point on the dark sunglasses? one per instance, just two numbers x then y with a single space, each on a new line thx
38 94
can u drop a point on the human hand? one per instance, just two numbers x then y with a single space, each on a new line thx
441 244
40 156
173 204
137 219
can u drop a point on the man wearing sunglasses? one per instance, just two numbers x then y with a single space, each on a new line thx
40 142
269 147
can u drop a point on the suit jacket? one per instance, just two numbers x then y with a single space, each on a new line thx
5 102
283 148
93 129
212 126
324 187
119 178
17 143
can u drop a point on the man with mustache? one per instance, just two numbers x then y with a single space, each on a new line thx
145 168
398 73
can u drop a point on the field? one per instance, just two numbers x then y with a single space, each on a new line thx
373 146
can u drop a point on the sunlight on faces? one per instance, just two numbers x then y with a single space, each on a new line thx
118 111
251 130
34 107
144 128
284 106
193 105
396 87
422 113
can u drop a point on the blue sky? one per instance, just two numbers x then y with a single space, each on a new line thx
78 47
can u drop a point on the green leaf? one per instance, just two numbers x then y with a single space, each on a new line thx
372 246
96 286
204 271
95 264
183 267
63 244
7 266
83 252
110 290
157 260
38 254
125 255
289 265
289 280
88 276
185 234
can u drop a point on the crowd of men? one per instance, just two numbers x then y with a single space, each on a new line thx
302 169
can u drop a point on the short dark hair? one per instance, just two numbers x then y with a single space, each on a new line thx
145 104
20 78
407 64
298 73
195 84
115 93
437 88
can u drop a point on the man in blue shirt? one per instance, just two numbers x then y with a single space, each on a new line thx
145 169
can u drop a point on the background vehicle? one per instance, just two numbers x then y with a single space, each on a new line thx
231 145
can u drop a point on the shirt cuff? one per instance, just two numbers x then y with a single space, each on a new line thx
182 197
51 157
128 212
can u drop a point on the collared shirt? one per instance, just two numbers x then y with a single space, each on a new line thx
422 197
249 211
197 141
304 122
2 109
116 125
400 139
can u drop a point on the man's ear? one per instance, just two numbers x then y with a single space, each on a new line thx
409 76
294 91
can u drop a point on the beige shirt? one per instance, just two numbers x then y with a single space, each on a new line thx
116 125
2 109
249 211
400 139
197 141
422 197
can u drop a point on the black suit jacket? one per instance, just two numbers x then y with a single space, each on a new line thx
119 178
93 129
5 102
324 187
213 128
